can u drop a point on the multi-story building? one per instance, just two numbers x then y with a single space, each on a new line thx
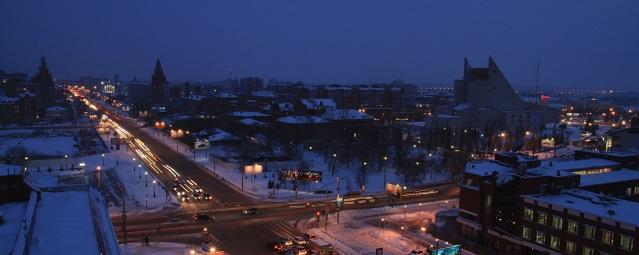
518 204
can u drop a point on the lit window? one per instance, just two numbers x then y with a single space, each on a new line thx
628 191
626 242
607 237
557 222
570 247
555 242
528 214
587 251
540 238
525 232
636 191
572 227
541 218
589 231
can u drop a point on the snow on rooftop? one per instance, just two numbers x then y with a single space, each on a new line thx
302 120
486 168
251 122
13 214
317 103
590 203
64 225
346 114
572 165
609 177
264 93
248 114
220 135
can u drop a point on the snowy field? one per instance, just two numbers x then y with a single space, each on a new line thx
362 231
159 248
257 185
57 146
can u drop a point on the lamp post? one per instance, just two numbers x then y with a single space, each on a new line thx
98 170
146 178
66 161
154 184
103 159
384 184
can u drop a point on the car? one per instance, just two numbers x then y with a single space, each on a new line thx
251 211
196 195
280 245
206 196
200 217
300 240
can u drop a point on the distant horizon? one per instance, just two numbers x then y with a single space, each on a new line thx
580 44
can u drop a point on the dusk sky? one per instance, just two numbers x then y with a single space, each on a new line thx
580 44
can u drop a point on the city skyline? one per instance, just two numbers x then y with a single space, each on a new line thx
588 47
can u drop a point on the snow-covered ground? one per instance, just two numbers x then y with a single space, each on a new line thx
362 231
257 185
41 145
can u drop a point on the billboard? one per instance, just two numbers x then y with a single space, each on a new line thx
548 143
253 169
201 144
297 175
394 190
452 250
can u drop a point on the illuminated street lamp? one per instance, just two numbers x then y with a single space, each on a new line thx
66 161
154 184
146 178
102 158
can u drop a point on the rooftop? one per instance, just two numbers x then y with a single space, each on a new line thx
590 203
316 103
346 114
13 215
302 120
609 177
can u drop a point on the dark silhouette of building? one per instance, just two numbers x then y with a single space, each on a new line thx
250 84
11 82
43 85
187 89
158 83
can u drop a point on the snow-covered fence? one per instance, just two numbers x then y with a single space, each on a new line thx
26 228
102 223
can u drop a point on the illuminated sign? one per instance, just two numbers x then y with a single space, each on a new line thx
452 250
548 143
394 190
253 169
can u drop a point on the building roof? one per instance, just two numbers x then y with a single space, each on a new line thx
552 166
220 135
302 120
317 103
251 122
590 203
620 175
346 114
264 93
248 114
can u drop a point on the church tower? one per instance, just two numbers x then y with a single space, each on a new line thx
43 85
158 82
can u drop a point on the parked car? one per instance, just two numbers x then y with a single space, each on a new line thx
200 217
251 211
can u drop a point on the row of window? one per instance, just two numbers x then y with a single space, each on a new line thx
588 231
632 191
555 242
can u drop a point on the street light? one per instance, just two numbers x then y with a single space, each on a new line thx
102 158
66 160
154 184
146 178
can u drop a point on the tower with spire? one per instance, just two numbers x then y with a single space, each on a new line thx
43 85
158 82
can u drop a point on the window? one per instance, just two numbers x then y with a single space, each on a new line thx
541 218
528 214
635 191
629 191
525 232
555 242
587 251
572 226
557 222
626 242
607 237
570 247
589 231
540 238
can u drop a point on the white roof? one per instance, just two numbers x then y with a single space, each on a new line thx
609 177
8 100
302 120
592 204
486 168
346 114
251 122
248 114
572 165
220 135
56 109
264 93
